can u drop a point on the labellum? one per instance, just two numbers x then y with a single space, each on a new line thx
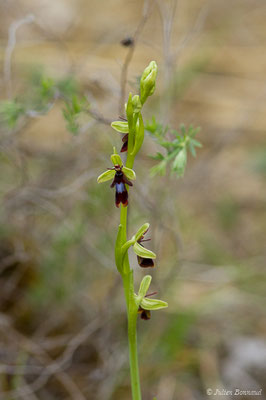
144 314
120 181
145 262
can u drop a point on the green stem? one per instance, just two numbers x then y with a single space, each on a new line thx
133 355
132 310
132 313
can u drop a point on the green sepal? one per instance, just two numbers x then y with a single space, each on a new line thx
152 304
144 285
143 229
130 174
120 126
139 136
116 159
118 247
106 176
142 252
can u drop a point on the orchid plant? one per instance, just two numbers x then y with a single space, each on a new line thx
122 174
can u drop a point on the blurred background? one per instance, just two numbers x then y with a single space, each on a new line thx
66 70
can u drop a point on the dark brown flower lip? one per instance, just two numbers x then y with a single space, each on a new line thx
145 262
120 181
144 314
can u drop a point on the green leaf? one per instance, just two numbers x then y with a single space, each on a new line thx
158 156
143 229
106 176
130 174
10 111
152 304
195 143
144 285
126 246
192 149
139 136
159 169
180 162
120 126
142 252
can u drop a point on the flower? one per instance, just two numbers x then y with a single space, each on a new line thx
144 304
145 256
121 176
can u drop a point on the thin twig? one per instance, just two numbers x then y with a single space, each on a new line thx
123 80
12 39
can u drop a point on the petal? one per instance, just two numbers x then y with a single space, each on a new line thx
152 304
106 176
130 174
142 252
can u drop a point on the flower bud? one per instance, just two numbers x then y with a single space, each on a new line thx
136 104
129 111
139 135
147 82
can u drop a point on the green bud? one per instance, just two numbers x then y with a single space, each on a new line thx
120 126
106 176
147 82
152 304
139 135
142 252
144 285
136 104
143 229
180 162
130 174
